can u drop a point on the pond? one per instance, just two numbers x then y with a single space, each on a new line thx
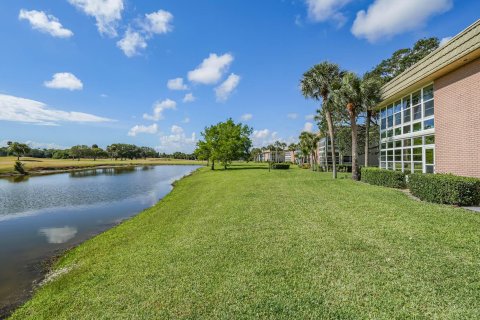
42 216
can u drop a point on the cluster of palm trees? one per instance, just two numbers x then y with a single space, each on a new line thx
345 97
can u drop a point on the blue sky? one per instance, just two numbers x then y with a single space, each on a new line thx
97 71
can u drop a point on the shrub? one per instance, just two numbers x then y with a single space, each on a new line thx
382 177
304 166
282 166
445 188
19 167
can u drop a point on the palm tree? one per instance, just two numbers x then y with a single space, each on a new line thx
371 89
318 83
358 96
350 96
309 144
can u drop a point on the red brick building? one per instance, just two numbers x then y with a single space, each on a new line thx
430 114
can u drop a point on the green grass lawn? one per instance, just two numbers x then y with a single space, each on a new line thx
249 243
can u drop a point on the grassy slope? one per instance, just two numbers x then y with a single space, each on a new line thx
32 164
281 244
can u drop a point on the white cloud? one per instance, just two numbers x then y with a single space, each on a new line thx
39 20
387 18
211 70
186 120
263 137
189 97
324 10
143 129
292 116
158 22
310 117
246 117
64 80
131 43
444 41
176 84
104 95
135 39
159 108
107 13
224 90
308 127
177 140
31 111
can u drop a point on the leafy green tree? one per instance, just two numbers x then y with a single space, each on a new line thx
18 149
203 152
226 141
403 59
317 84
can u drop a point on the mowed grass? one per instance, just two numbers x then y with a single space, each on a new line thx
37 164
249 243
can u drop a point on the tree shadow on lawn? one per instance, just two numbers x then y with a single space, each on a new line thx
242 167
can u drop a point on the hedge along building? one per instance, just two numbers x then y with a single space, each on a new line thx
430 114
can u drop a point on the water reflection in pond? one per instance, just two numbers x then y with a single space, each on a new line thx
41 216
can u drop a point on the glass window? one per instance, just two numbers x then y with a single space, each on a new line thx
417 112
428 108
417 167
383 156
406 115
390 121
407 142
398 118
383 165
417 154
417 141
390 110
429 124
390 145
429 156
428 93
397 107
384 146
406 102
398 131
429 169
389 133
384 134
398 155
430 140
390 155
384 124
417 127
416 98
398 144
383 113
407 129
398 166
407 154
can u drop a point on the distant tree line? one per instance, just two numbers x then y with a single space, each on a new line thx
116 151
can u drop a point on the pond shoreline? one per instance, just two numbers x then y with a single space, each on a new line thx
41 171
43 266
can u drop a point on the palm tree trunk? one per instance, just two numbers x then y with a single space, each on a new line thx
331 133
367 136
353 121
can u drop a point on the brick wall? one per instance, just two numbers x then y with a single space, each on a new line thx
457 121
